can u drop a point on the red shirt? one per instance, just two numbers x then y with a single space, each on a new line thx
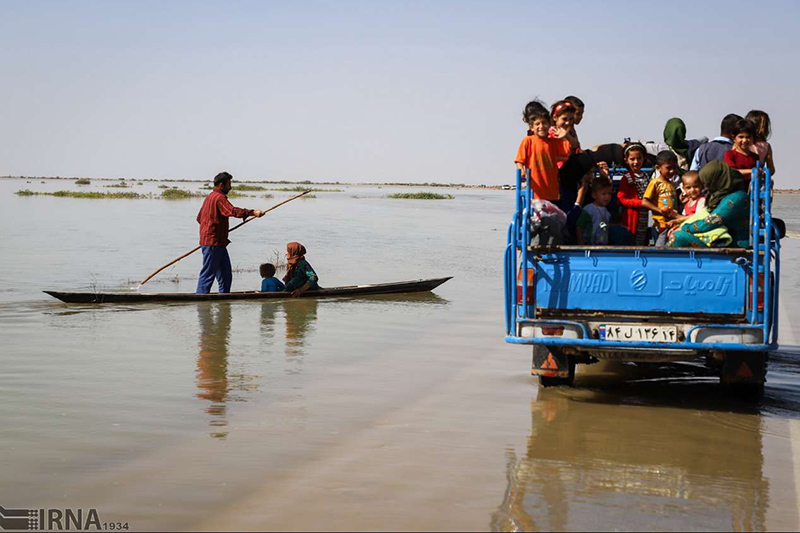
213 218
740 161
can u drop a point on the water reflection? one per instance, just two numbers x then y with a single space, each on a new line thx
300 317
219 385
212 362
592 465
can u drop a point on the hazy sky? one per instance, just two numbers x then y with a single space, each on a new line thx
373 90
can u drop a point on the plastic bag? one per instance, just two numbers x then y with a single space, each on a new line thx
547 224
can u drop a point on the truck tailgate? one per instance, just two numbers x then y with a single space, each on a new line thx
649 280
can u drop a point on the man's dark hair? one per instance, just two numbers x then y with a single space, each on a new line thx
744 126
665 157
574 100
533 110
726 129
267 270
221 178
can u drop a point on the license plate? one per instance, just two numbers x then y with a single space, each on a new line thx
639 333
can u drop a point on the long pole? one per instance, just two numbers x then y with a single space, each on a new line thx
193 250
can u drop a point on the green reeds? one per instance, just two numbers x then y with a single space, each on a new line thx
179 194
300 188
420 196
245 187
79 194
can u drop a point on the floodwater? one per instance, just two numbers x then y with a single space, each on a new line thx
380 413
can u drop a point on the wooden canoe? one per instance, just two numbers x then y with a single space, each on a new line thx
333 292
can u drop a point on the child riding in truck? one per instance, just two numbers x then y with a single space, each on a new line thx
661 196
632 187
540 154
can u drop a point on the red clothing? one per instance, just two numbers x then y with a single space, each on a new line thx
631 202
213 218
740 161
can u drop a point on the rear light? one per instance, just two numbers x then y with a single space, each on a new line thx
553 331
760 288
529 295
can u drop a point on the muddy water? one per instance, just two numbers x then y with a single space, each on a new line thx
402 412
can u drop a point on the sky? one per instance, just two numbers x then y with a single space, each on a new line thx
357 91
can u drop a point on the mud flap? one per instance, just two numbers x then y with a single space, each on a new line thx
744 368
549 362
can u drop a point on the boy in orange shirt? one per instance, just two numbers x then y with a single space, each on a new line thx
541 154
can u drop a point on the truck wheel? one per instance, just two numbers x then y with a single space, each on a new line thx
750 393
744 374
549 381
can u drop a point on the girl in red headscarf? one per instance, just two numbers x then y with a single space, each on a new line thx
562 120
299 277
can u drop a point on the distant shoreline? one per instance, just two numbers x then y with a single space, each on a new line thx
304 182
273 182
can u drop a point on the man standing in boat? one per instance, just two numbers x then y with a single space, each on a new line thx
213 220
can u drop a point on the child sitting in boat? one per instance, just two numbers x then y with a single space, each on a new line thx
299 277
269 283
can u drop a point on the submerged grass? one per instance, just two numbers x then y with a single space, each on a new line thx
79 194
121 185
420 196
83 181
245 187
301 189
179 194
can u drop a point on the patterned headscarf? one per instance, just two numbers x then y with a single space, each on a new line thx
297 252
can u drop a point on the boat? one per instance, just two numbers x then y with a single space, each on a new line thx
399 287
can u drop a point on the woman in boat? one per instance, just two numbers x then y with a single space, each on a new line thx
728 210
299 277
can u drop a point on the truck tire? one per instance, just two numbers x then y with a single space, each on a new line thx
744 374
548 381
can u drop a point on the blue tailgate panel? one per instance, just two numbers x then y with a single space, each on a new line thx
620 281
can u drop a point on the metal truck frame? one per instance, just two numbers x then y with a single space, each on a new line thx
582 304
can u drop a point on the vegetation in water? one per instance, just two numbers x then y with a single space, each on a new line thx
162 186
420 196
301 189
79 194
121 185
245 187
178 194
83 181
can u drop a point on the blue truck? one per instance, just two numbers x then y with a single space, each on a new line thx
583 304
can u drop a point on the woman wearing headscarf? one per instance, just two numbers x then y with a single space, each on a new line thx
675 141
299 277
725 219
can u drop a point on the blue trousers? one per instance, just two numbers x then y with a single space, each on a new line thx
216 265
